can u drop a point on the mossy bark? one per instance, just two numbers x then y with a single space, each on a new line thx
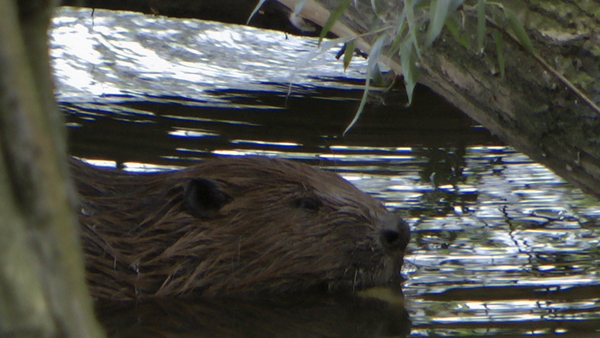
529 108
42 286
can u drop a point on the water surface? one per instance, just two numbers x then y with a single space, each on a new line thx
500 244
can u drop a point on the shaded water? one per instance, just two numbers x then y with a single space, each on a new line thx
500 244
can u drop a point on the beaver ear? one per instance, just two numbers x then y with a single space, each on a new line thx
203 198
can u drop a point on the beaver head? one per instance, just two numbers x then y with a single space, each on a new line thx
233 226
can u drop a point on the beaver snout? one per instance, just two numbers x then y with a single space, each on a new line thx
391 240
397 239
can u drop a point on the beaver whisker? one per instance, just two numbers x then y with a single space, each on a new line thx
355 282
239 251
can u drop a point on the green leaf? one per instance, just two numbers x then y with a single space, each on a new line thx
409 68
480 25
374 7
456 31
333 16
350 46
499 43
375 53
453 27
499 53
401 25
260 3
377 77
371 66
395 47
412 27
518 30
438 13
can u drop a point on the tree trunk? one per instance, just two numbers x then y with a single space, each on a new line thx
42 286
529 108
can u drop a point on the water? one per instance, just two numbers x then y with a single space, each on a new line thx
500 244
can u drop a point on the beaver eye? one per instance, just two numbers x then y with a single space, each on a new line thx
203 198
310 204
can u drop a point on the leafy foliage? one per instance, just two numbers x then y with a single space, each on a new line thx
349 52
255 10
371 67
499 43
518 30
480 24
333 17
416 27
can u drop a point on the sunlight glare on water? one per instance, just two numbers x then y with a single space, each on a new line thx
173 58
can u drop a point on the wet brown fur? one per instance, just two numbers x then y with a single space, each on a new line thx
286 228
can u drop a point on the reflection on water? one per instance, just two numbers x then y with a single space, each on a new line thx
128 54
500 244
307 317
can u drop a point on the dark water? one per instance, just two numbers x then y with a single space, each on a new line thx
500 244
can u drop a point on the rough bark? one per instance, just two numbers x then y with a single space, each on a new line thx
42 285
530 108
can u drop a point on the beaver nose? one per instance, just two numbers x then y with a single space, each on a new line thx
395 240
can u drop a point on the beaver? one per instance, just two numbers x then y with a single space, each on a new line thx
232 226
